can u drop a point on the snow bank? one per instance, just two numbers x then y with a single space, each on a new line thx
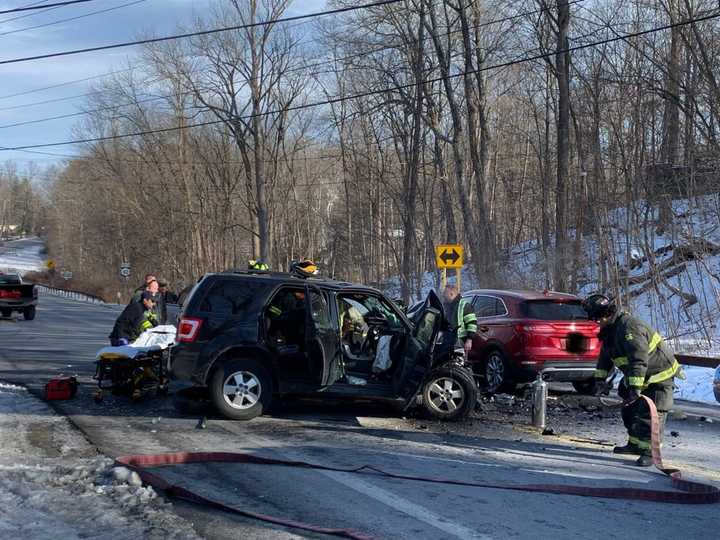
27 258
697 386
54 485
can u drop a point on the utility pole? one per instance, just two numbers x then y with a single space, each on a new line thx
562 70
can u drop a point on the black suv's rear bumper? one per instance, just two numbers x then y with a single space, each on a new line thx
187 363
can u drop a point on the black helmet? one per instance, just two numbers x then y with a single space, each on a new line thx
599 306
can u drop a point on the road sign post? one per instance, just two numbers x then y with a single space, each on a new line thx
125 274
450 256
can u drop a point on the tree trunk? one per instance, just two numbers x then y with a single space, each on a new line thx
562 68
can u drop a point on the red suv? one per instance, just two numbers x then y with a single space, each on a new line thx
521 333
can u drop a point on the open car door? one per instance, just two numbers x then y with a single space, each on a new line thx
322 339
417 356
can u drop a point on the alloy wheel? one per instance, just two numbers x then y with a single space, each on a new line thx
494 372
446 395
241 390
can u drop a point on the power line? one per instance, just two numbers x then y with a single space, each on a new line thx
290 70
44 102
356 55
198 33
369 93
34 6
60 85
119 106
31 14
60 21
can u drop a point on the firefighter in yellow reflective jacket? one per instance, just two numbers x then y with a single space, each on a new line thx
460 317
648 365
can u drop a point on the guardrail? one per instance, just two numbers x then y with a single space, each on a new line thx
73 295
700 361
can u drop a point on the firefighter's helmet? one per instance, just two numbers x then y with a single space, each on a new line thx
599 306
257 265
303 268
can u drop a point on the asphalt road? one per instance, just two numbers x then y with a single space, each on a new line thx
66 334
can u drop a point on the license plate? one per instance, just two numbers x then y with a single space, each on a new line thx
575 343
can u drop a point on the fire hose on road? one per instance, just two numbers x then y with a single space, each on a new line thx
689 492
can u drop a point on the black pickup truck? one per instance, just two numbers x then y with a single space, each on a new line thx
17 296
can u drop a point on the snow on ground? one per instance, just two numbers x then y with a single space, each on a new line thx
26 258
54 485
632 233
697 386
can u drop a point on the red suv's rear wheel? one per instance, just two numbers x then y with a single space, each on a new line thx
496 373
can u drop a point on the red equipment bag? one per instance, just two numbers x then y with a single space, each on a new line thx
60 388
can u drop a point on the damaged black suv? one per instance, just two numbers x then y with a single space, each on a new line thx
250 336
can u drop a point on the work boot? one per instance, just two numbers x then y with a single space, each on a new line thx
645 460
629 448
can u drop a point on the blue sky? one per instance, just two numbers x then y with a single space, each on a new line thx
159 17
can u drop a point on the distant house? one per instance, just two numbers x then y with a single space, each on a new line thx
8 230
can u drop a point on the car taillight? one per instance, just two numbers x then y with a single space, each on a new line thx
534 334
188 330
522 333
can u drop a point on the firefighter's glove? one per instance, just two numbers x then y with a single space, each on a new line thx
602 387
467 346
633 394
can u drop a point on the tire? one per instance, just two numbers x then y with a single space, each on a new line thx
449 394
29 313
241 389
7 313
585 388
495 372
192 401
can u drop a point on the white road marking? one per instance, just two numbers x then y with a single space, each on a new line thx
392 500
435 458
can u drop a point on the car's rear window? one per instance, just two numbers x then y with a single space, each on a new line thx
8 279
234 297
553 310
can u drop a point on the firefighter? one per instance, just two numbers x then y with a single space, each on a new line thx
353 329
137 293
257 265
460 317
648 365
134 320
286 318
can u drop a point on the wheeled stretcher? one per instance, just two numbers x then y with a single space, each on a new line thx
135 369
